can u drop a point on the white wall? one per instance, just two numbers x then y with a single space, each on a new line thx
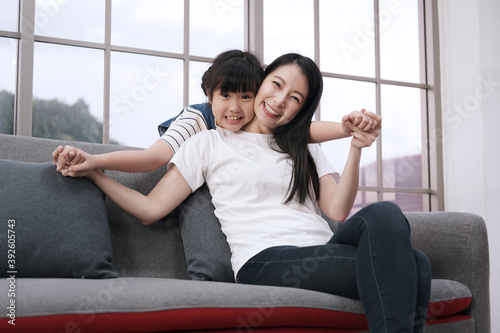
470 74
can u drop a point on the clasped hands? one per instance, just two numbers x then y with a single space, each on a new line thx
364 127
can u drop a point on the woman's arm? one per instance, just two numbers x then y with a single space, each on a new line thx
322 131
336 200
165 197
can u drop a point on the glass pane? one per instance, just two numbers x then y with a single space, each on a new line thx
340 97
145 91
8 66
399 40
363 199
76 19
215 26
9 15
196 71
288 27
154 24
68 92
401 136
408 202
347 37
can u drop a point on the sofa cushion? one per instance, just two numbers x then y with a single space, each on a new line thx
207 252
147 305
57 226
448 297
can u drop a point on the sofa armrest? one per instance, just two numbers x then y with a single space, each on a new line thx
457 246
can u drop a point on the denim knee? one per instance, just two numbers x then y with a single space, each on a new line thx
386 215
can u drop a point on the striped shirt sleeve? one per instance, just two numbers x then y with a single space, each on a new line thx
187 124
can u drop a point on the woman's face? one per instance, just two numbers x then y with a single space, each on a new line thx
280 98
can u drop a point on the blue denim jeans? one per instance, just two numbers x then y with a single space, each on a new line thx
369 258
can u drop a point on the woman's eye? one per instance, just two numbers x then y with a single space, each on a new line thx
296 99
277 84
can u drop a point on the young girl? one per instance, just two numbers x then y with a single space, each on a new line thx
230 85
271 222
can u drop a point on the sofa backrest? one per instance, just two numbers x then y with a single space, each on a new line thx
138 250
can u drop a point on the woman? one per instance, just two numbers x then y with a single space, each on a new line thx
271 223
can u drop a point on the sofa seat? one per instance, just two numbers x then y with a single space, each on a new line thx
169 305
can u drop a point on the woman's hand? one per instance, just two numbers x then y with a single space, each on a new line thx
364 120
361 138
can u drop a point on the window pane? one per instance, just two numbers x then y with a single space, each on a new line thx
145 91
8 65
9 15
340 97
363 199
347 37
288 27
196 71
409 202
215 26
154 24
76 19
399 40
68 92
401 136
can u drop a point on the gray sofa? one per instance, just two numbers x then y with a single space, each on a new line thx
145 285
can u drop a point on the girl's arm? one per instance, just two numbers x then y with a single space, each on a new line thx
165 197
75 162
322 131
336 200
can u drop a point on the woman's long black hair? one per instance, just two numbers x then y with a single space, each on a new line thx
292 138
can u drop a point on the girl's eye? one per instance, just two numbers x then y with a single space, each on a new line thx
224 95
277 84
296 99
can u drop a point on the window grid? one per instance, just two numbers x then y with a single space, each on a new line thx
432 151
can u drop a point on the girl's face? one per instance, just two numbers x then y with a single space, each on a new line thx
232 110
280 98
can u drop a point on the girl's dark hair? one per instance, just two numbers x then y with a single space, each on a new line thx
292 138
233 71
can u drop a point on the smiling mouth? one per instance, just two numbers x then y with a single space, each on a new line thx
271 111
233 118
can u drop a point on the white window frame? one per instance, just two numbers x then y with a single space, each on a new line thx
254 42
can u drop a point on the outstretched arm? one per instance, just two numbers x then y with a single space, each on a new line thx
75 162
165 197
336 200
322 131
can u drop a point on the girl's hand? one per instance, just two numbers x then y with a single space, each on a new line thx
71 161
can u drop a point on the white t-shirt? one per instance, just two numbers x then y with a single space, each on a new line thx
248 182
